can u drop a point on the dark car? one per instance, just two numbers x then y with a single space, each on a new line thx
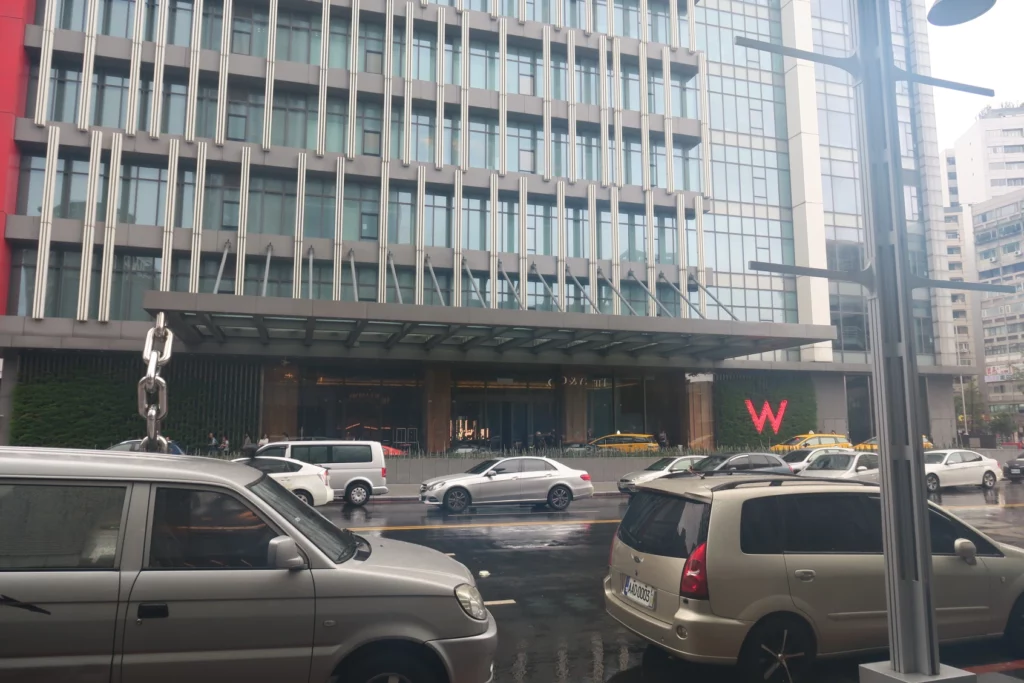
742 462
1014 469
133 446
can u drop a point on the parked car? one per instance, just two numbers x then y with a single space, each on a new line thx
953 467
1014 469
801 458
812 440
626 443
740 462
310 483
357 467
133 445
753 572
844 465
526 480
157 568
872 444
659 468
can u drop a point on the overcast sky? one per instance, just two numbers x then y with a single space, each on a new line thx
989 52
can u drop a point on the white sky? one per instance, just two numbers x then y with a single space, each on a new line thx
988 52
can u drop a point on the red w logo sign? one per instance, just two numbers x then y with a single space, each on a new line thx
766 414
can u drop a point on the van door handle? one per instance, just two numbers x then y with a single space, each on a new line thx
153 610
804 574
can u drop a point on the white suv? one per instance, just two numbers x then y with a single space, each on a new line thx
769 572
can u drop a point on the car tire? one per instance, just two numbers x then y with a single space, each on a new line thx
779 649
304 497
988 480
357 494
931 482
559 498
456 500
379 667
1013 635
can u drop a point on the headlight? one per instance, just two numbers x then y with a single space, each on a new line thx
436 485
471 600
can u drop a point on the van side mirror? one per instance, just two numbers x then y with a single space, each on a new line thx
283 553
966 551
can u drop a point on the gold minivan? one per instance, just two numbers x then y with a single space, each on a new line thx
769 577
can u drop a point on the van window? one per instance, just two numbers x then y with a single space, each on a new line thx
536 465
945 532
831 523
196 529
59 527
665 525
761 526
313 454
276 451
352 453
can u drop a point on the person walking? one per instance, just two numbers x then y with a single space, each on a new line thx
246 440
211 444
263 441
663 439
225 445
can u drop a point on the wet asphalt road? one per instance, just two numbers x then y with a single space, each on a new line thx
543 574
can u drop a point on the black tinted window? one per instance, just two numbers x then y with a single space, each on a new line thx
663 525
59 527
316 455
831 523
206 530
761 461
740 463
869 460
761 527
946 531
351 453
535 465
268 466
508 467
276 451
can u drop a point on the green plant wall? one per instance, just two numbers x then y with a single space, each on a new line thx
733 426
81 400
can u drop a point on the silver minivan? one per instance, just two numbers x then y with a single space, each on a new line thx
159 569
357 467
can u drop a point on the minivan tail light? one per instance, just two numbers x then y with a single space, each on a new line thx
611 550
694 582
585 477
384 472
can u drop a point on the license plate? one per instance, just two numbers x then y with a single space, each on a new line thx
638 592
1014 470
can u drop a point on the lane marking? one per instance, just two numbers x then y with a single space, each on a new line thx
423 527
492 603
993 668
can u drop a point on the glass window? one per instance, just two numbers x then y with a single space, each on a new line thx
322 280
669 526
221 200
452 61
540 229
65 85
587 88
272 205
366 279
371 48
525 152
424 56
577 232
109 98
179 22
143 192
401 216
249 29
245 114
315 454
945 532
513 466
271 466
337 124
362 213
632 236
337 544
340 41
294 120
134 275
116 18
319 213
406 278
761 526
369 128
172 112
809 523
524 71
476 227
483 65
352 453
70 14
483 142
437 220
211 29
422 138
197 529
64 526
298 37
273 451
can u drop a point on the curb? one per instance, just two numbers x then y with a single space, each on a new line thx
416 499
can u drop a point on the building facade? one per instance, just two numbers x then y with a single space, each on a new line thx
504 222
990 155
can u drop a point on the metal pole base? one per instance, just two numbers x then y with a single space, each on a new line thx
882 672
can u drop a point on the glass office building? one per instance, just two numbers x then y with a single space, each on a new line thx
507 218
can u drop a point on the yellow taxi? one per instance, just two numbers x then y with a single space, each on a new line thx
812 440
626 443
872 444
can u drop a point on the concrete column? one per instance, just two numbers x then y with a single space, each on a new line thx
11 363
941 411
280 401
805 171
437 408
700 416
830 395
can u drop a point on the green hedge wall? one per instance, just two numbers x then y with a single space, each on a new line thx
81 400
733 426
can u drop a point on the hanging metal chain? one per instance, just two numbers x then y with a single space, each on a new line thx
153 387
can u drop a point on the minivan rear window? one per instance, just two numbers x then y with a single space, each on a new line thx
659 524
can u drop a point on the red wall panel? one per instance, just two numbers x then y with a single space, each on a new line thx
14 70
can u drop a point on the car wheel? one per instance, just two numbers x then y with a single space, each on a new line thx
456 500
304 497
1014 632
357 494
988 480
931 482
780 649
378 667
559 498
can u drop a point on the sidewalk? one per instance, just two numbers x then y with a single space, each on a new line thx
400 493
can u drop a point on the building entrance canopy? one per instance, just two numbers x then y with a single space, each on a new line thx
279 326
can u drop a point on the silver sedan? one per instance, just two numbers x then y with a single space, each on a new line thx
508 481
657 470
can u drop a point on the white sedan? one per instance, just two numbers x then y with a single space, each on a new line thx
955 467
310 484
844 464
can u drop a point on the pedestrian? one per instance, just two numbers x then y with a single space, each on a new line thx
263 441
246 440
211 444
663 439
225 445
285 436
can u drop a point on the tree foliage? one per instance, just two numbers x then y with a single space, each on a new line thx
733 425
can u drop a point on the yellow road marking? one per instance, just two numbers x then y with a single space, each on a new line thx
574 522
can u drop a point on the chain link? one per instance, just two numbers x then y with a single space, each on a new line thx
153 387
